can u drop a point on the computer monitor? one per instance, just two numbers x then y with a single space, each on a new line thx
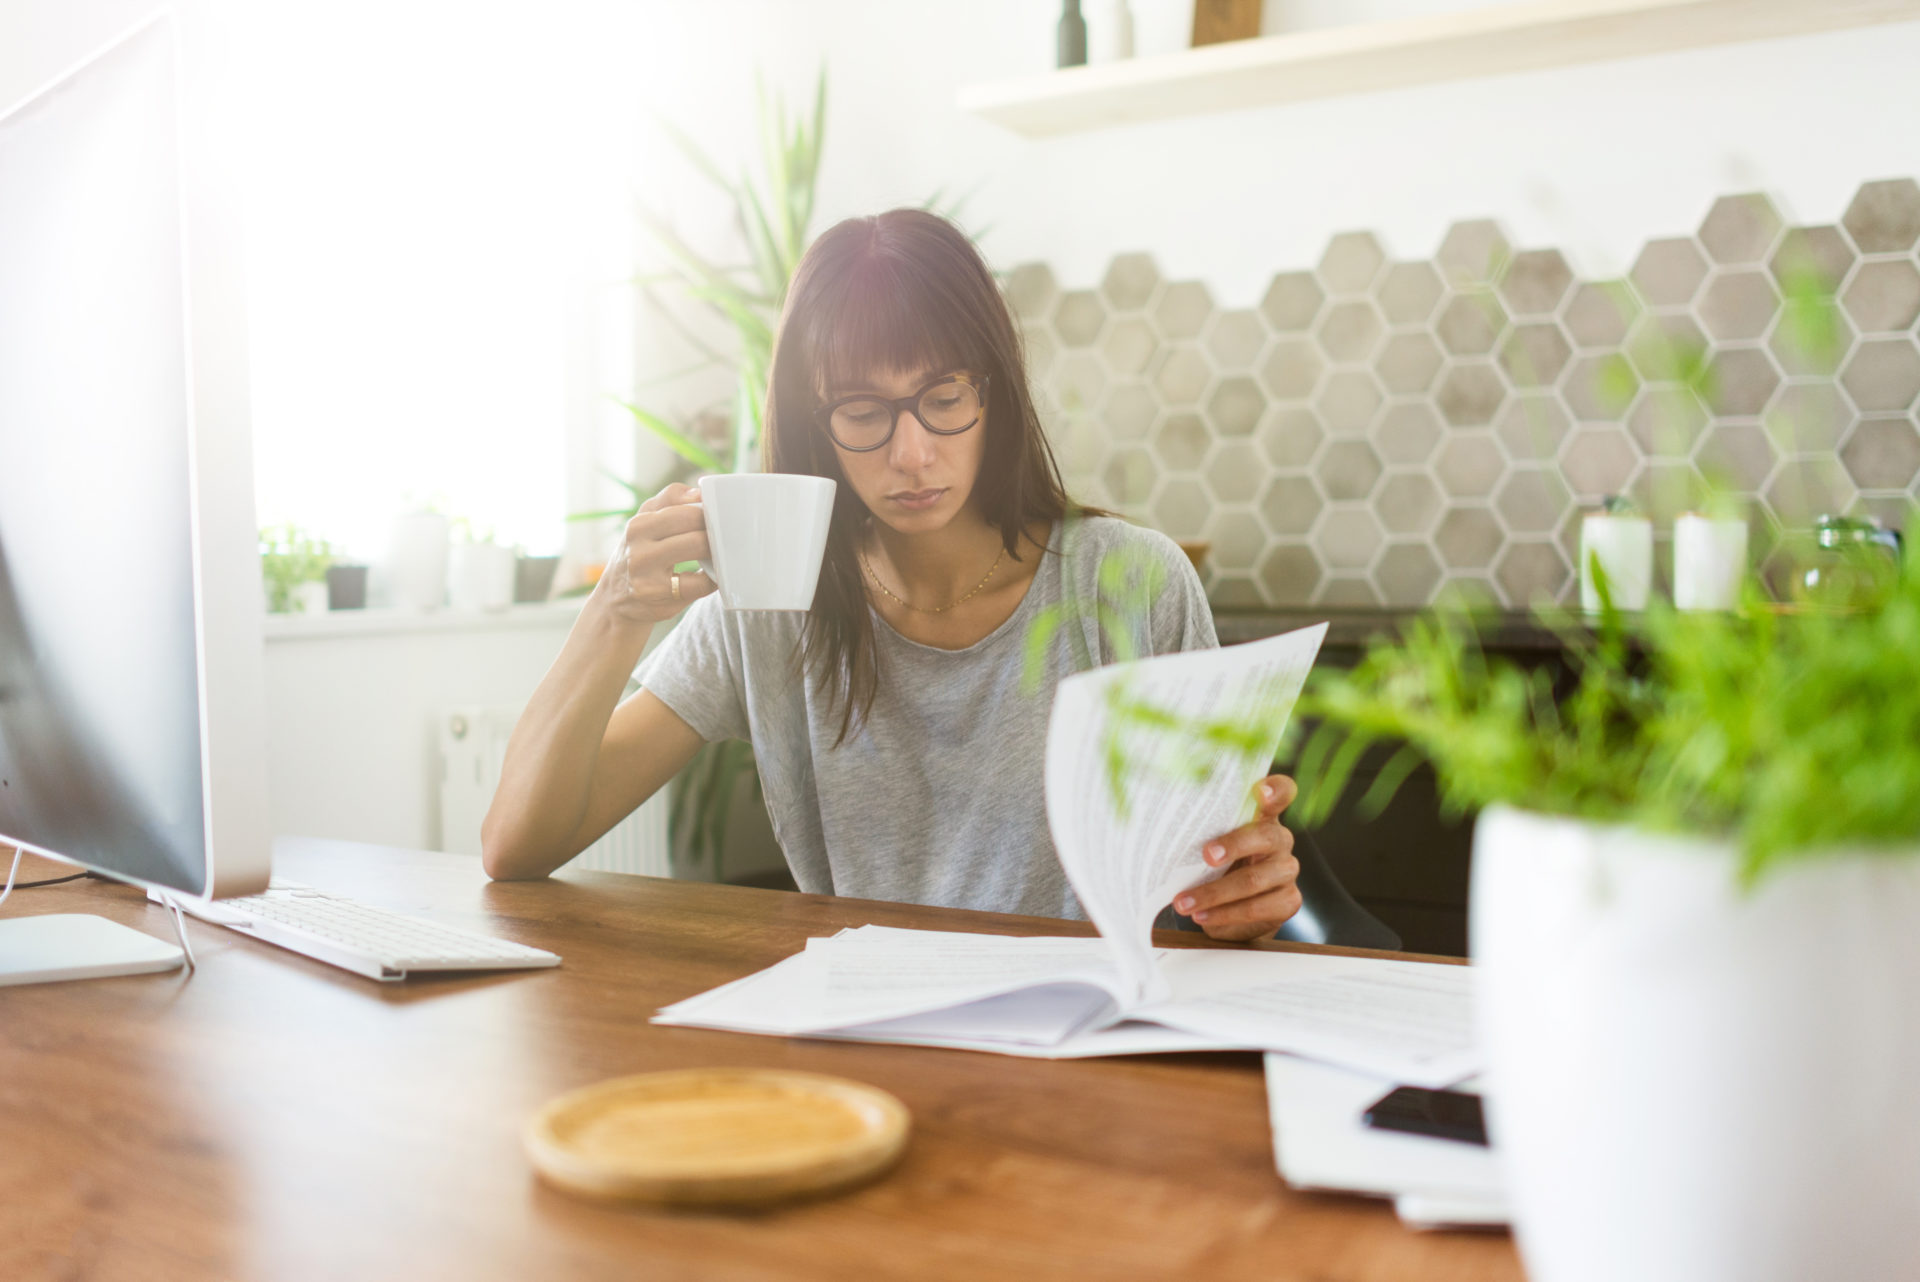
131 678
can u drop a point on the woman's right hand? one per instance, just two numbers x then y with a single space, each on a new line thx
638 583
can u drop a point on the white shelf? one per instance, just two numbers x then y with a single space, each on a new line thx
361 623
1372 56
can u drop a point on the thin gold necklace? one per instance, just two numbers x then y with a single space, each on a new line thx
938 609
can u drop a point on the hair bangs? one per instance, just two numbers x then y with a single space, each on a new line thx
886 317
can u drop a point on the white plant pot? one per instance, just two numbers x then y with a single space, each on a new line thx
415 570
1691 1082
310 598
480 576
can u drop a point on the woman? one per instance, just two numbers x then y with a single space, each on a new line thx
900 756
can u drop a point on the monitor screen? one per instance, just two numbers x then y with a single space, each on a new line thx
101 743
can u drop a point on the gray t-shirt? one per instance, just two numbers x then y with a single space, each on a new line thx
936 797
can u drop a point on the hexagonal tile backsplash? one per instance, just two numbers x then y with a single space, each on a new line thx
1377 432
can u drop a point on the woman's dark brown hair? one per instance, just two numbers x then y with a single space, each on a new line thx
900 292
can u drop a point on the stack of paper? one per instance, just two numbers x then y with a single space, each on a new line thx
1130 804
1063 998
1321 1141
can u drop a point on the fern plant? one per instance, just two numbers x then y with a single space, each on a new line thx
772 212
1790 735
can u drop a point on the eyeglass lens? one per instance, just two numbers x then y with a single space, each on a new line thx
952 406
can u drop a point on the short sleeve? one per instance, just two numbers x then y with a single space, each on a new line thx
699 671
1180 618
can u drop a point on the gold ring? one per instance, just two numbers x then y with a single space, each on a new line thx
675 580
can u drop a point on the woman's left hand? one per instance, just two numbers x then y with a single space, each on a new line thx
1258 893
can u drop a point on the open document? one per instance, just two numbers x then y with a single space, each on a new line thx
1146 762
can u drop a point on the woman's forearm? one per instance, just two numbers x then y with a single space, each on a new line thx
546 807
546 778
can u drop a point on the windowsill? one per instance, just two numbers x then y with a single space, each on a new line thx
365 623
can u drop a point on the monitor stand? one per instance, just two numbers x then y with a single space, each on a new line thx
39 950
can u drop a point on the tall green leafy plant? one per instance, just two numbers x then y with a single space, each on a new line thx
772 211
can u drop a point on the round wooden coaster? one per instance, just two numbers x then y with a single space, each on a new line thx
716 1136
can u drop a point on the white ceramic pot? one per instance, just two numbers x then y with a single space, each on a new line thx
480 576
1692 1082
415 570
310 598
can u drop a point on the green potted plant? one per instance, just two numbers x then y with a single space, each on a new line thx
1694 909
773 215
293 569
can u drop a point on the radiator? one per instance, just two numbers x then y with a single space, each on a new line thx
473 742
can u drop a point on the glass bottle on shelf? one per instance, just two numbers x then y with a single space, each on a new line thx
1848 563
1072 45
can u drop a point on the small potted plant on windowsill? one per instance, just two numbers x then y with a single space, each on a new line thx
1695 922
293 569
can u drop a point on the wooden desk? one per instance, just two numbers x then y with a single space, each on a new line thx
274 1119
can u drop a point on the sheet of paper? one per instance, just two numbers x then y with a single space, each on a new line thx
1319 1141
1409 1021
1131 799
1046 1015
1124 1038
1053 996
885 975
865 977
757 1003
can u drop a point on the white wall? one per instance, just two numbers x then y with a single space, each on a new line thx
1595 158
443 193
489 212
40 39
353 719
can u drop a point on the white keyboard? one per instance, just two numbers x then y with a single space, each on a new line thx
353 936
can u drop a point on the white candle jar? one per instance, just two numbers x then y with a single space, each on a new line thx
1622 543
1709 562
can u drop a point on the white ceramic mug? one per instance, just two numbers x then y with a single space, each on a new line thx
768 531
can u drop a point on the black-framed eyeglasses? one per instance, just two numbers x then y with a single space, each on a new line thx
947 406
